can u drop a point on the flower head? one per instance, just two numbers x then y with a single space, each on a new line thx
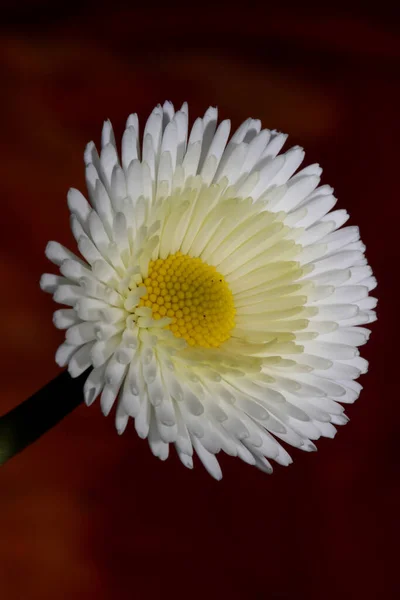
218 299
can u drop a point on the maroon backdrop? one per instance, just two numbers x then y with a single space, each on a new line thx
87 514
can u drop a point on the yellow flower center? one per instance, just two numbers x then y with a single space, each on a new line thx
194 295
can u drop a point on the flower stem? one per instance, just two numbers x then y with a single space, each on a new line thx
28 421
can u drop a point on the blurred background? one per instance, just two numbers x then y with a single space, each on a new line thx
87 514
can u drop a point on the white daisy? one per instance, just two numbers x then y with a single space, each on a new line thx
218 300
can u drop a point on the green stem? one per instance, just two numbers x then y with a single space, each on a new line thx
28 421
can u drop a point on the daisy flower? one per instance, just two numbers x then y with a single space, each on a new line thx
217 298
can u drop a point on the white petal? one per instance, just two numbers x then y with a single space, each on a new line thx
80 361
209 125
169 144
56 253
129 147
94 384
108 160
216 149
255 150
64 354
78 205
65 317
316 209
209 461
158 447
277 140
107 135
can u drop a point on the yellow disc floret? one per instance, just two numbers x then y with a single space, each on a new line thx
194 295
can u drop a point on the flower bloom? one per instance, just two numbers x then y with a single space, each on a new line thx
218 299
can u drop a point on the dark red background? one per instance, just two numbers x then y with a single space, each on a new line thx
86 514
